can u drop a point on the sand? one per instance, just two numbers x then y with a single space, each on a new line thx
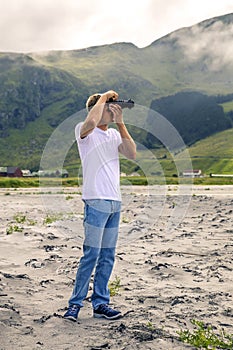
174 261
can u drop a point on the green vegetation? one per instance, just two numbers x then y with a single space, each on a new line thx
193 114
69 197
114 286
125 220
50 218
10 182
13 228
19 218
204 337
227 106
150 326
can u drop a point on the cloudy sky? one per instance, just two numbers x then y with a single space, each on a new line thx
41 25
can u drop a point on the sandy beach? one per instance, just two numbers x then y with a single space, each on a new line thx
174 262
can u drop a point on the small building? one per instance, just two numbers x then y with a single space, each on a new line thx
192 173
52 173
14 171
221 175
3 171
11 171
26 173
134 174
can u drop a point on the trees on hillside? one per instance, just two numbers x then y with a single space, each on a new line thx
193 114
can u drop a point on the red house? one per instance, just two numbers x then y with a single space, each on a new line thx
14 171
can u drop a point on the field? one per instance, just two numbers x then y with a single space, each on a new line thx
7 182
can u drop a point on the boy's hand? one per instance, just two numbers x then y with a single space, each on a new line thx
117 115
111 94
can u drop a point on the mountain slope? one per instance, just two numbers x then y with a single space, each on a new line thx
214 154
27 88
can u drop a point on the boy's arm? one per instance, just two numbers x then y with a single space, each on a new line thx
128 146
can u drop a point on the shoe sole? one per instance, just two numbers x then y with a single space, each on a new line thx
107 317
70 318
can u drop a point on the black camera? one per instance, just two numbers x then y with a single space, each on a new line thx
123 103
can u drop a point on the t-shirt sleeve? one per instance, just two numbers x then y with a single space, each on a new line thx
77 131
118 137
77 134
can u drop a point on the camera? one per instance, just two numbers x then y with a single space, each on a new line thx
122 103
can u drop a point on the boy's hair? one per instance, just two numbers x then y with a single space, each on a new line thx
91 101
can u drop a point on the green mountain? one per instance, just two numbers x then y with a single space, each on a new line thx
40 90
196 58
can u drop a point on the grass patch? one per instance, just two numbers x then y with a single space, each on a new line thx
9 182
13 228
204 337
114 286
52 218
125 220
227 106
18 220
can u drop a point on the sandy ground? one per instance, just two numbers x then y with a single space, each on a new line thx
174 261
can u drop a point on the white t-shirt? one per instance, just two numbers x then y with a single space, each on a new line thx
100 163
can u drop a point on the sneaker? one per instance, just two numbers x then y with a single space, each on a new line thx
104 311
72 313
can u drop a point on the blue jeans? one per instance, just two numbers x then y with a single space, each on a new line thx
101 225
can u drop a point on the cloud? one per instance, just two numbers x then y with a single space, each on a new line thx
34 25
44 24
66 24
166 16
210 43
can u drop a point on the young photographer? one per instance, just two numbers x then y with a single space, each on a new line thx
99 146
